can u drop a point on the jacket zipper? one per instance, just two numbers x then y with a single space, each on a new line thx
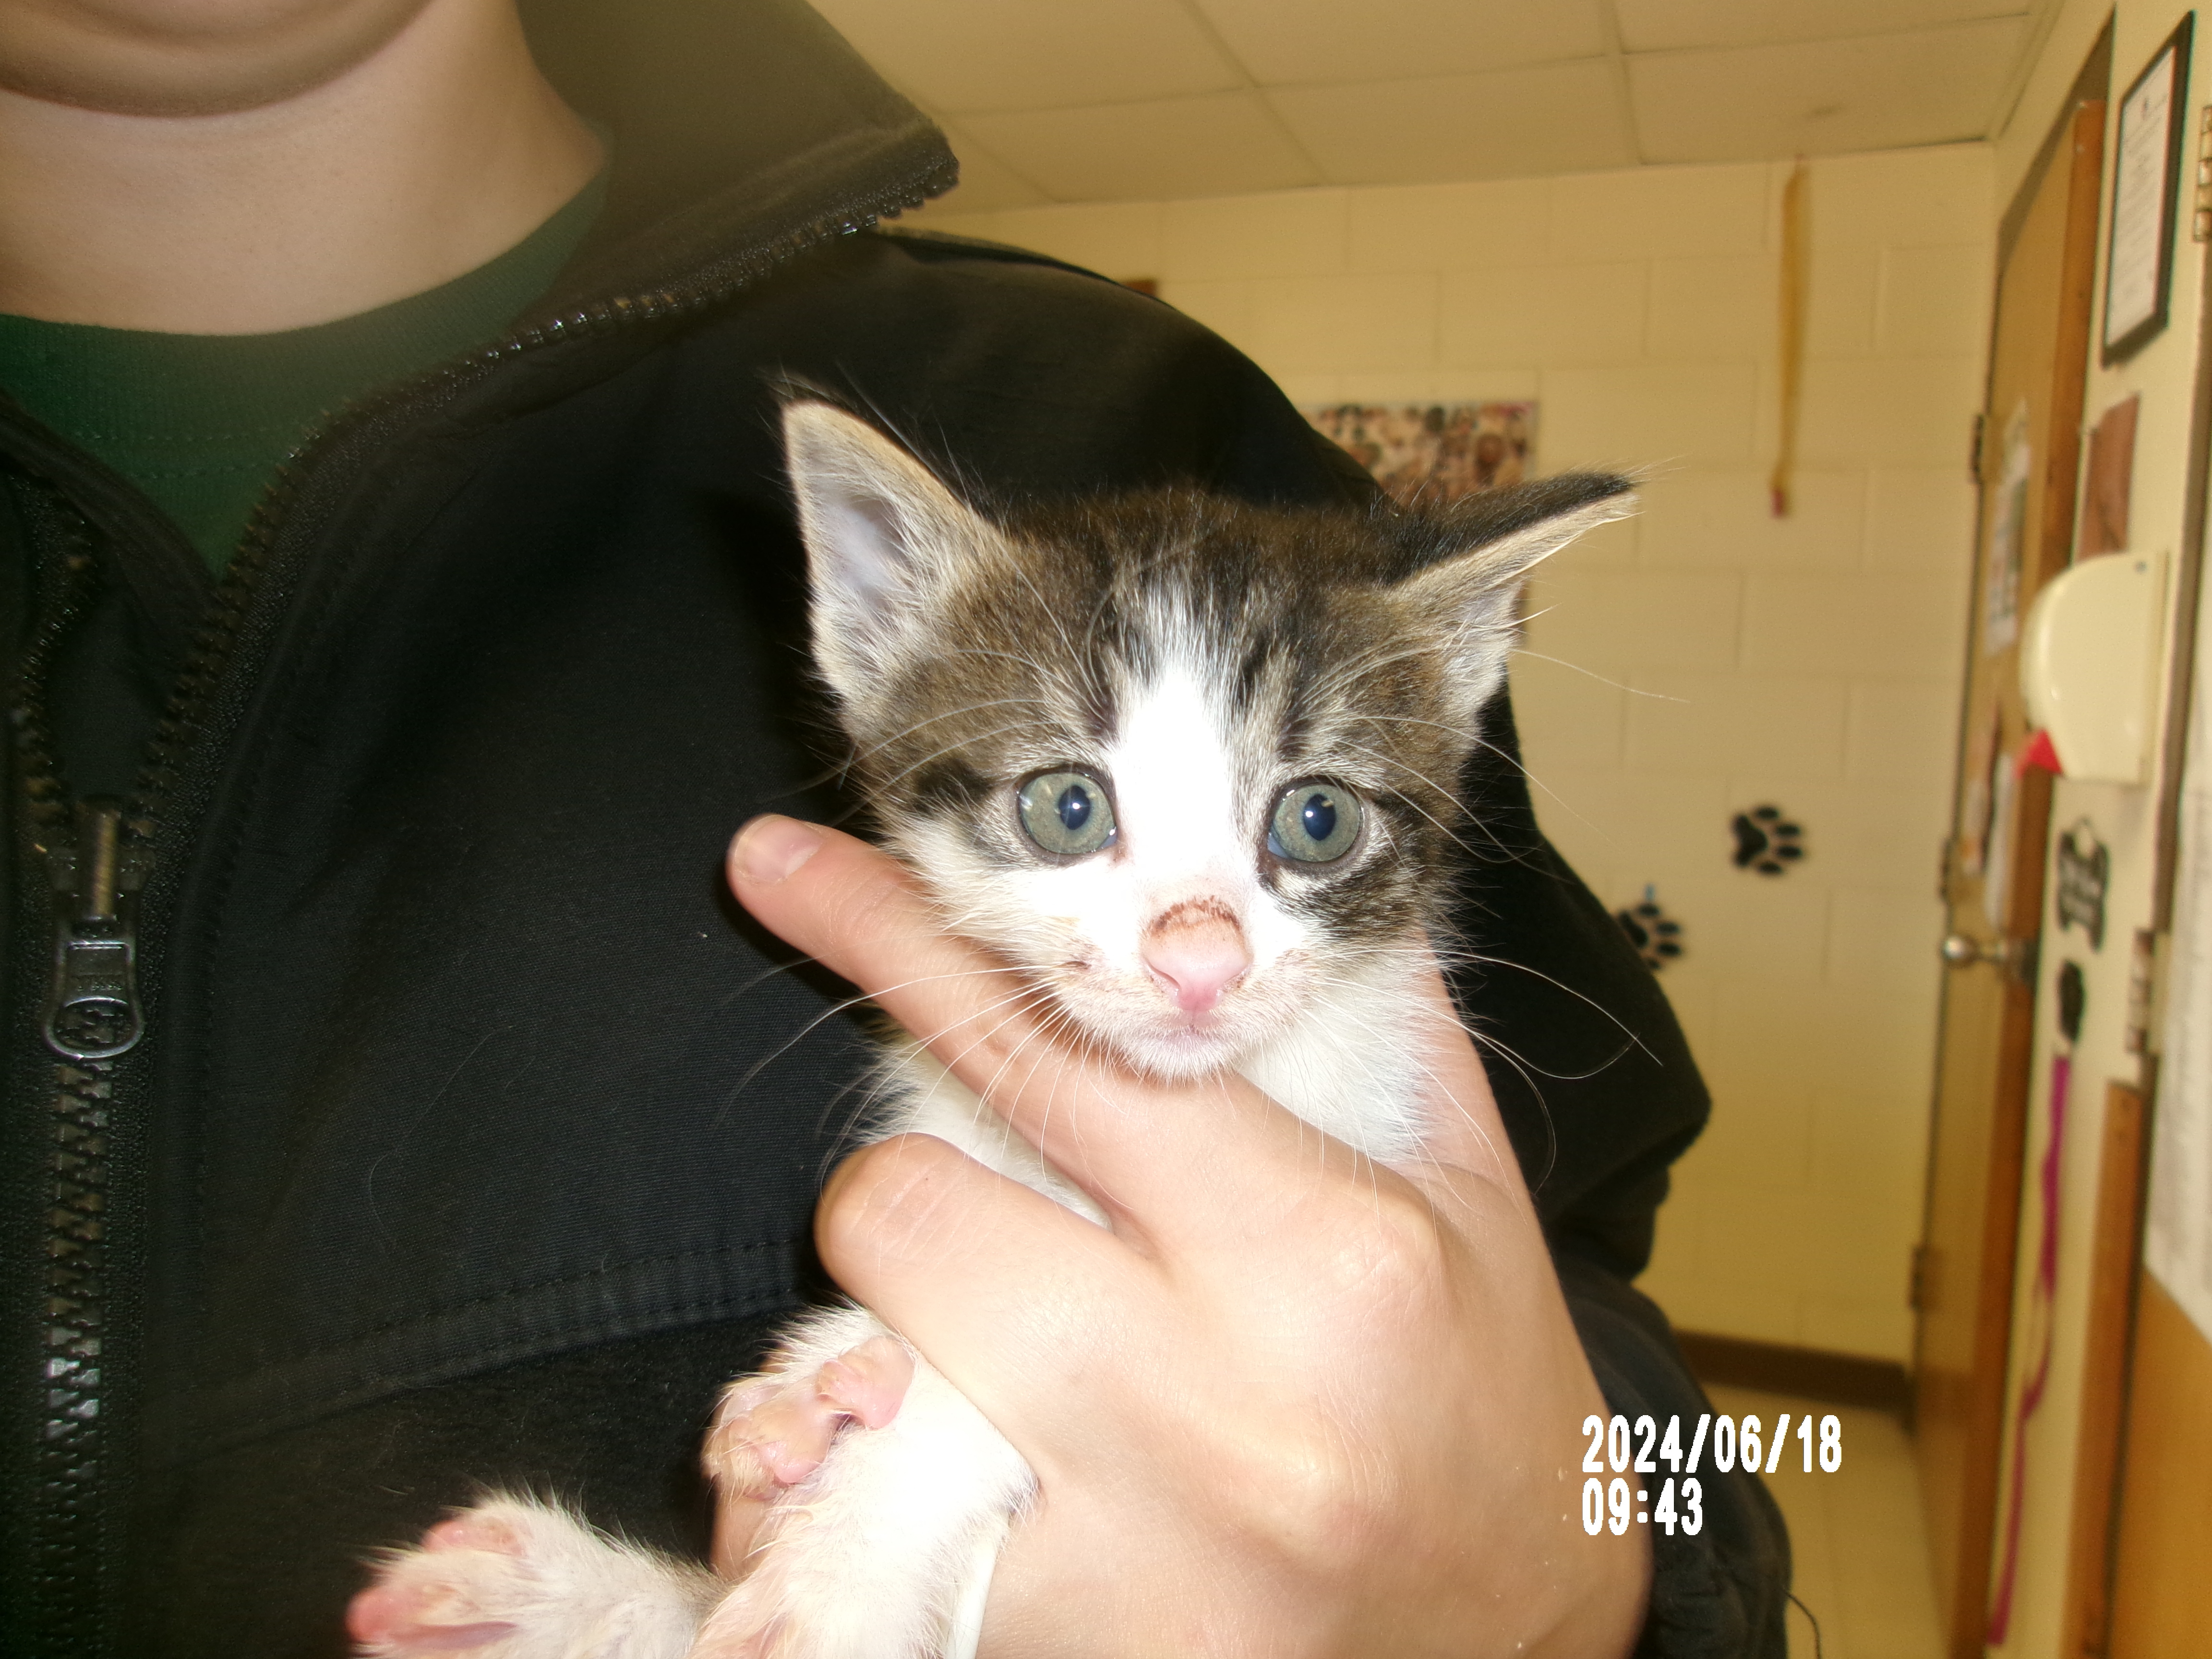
92 1011
99 856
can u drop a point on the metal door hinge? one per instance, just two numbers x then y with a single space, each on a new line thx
2200 223
1920 1295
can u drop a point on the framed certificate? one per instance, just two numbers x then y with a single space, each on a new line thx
2146 176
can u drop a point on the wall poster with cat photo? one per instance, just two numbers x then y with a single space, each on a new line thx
1435 453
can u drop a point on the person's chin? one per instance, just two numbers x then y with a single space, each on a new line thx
217 57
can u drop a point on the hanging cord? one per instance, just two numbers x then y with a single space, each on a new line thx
1814 1623
1797 270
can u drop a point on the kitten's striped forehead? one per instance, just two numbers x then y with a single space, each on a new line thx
1053 661
1198 660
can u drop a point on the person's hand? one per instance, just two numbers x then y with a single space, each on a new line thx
1287 1402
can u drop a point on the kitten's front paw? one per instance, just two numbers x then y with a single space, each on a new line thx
773 1431
512 1579
885 1549
445 1597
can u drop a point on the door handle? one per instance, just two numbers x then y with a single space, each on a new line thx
1963 951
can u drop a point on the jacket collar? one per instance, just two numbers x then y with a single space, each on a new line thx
743 130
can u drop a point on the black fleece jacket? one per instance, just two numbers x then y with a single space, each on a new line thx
472 1135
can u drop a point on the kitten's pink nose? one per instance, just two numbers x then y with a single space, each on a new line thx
1196 952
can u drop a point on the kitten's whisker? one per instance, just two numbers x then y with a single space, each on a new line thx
1454 731
980 1097
1480 742
1449 834
906 771
844 1005
1633 690
1055 1017
1010 1000
1352 669
1336 1039
1044 1033
1516 763
1484 1041
1036 1031
765 974
889 738
1049 677
1619 1024
869 1086
1441 1096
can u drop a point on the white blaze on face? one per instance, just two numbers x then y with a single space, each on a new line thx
1176 911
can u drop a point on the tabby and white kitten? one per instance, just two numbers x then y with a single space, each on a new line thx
1189 764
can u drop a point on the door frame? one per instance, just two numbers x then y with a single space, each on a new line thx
1964 1599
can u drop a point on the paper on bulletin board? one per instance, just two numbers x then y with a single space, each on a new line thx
2178 1245
2008 528
1997 853
2107 477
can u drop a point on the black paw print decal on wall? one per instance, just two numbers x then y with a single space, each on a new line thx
1766 841
1657 936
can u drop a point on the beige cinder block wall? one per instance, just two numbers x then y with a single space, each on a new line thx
1707 657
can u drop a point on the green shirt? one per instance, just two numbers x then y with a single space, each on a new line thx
199 421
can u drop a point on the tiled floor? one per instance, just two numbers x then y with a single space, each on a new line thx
1857 1535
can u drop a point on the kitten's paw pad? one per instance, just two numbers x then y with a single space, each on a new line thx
773 1431
432 1603
516 1580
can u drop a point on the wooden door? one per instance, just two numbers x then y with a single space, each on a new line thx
2029 448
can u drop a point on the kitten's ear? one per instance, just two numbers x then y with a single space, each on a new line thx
882 535
1481 557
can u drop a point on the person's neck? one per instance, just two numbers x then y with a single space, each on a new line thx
430 158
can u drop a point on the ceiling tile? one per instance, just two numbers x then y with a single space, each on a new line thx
1511 123
993 55
1823 98
1221 145
1288 41
1670 25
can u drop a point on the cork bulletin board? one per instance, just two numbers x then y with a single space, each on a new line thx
1435 453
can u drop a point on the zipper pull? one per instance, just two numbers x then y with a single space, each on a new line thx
92 1005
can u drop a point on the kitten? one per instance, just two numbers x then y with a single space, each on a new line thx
1189 764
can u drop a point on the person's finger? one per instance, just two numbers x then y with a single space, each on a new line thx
1128 1140
996 1283
1463 1127
855 910
1010 1295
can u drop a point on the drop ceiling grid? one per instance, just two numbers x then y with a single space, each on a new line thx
1050 100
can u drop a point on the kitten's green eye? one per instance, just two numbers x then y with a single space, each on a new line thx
1065 813
1314 823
